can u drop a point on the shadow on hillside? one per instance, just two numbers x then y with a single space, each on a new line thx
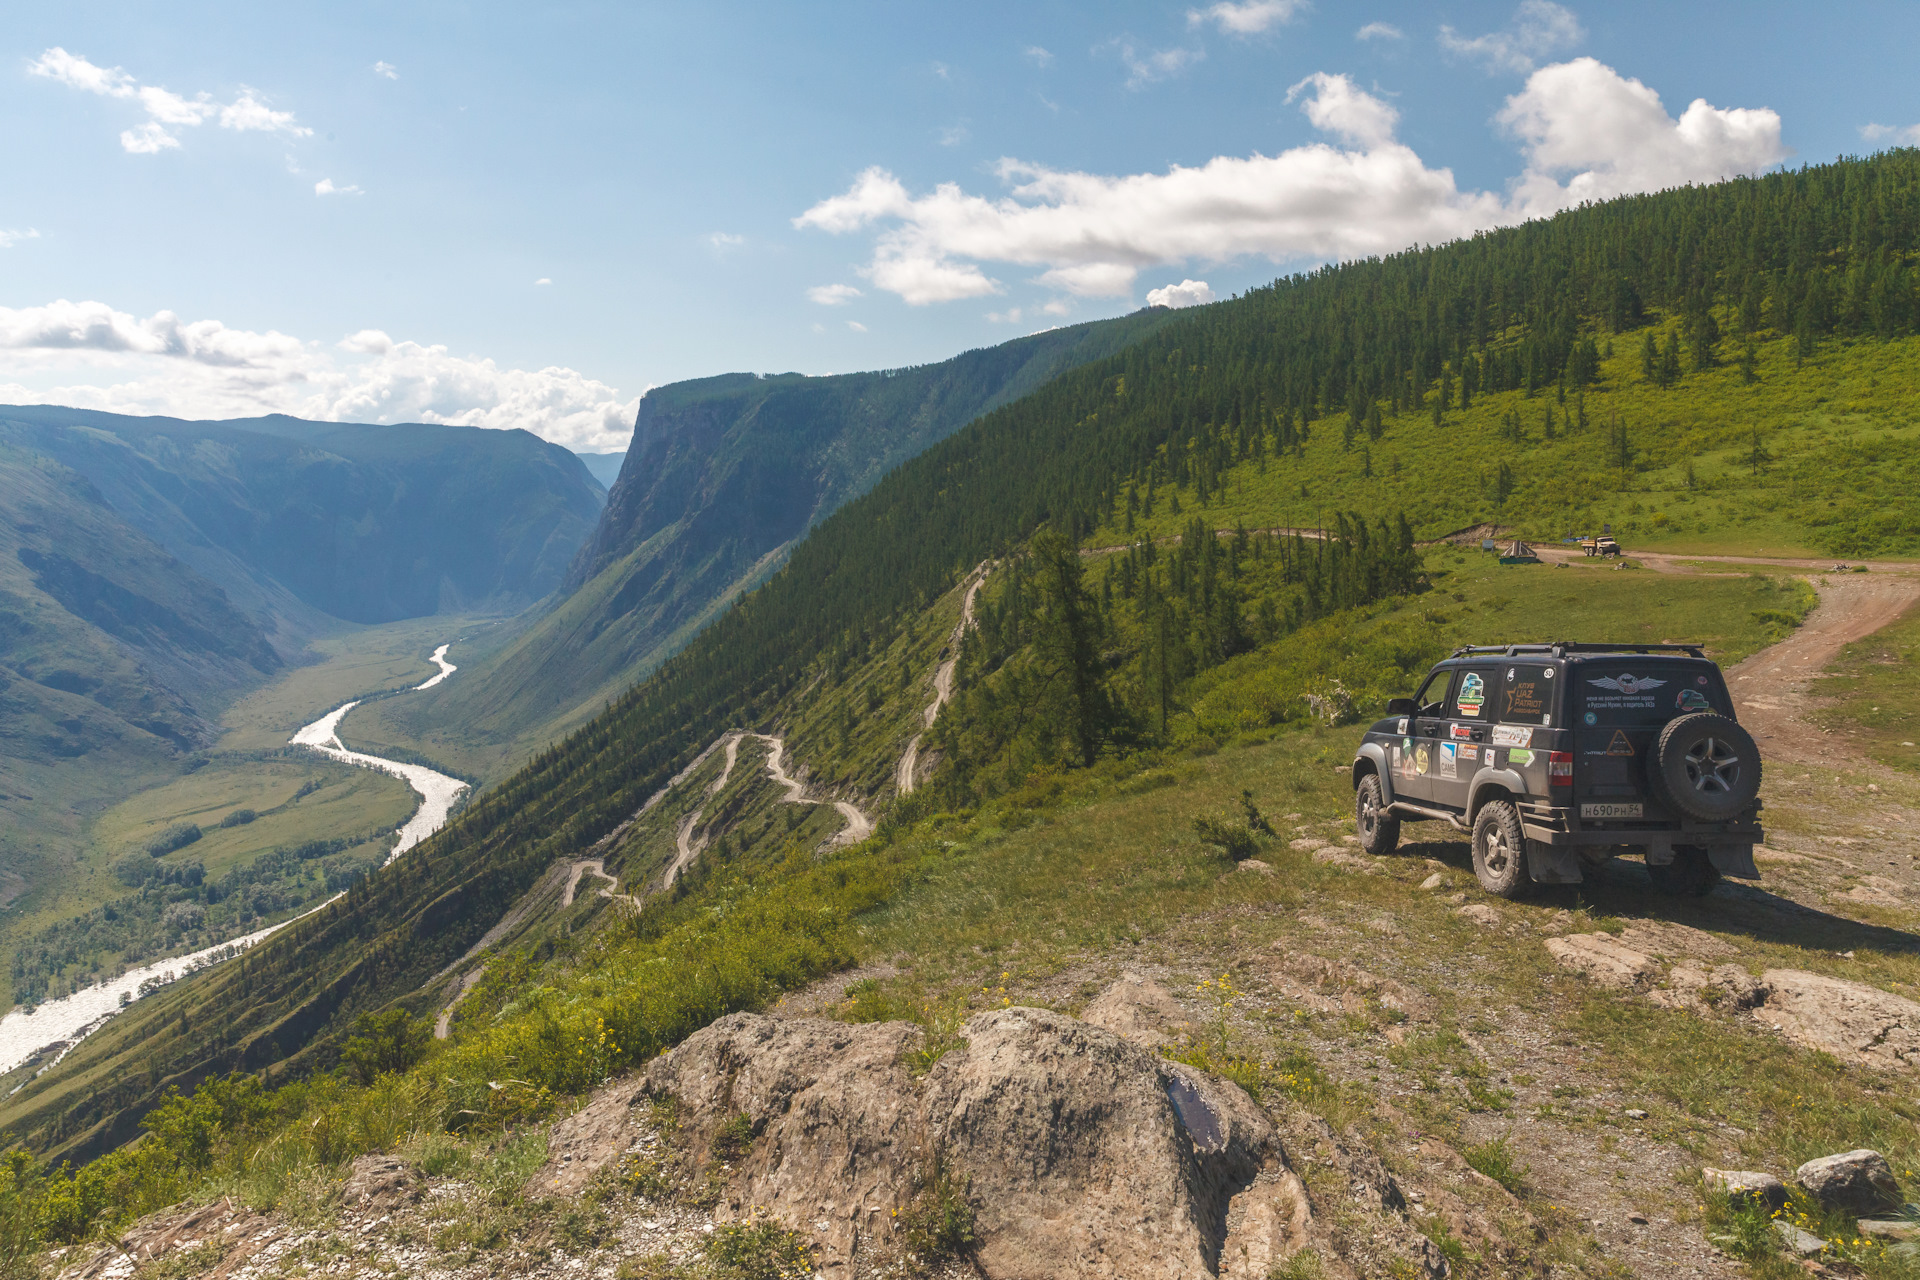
1622 889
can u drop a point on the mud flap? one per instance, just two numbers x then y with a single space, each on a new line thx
1734 860
1552 864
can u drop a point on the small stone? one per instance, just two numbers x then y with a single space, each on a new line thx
1480 913
1254 864
1873 788
1890 1228
1859 1181
1804 1243
1639 1218
1635 1113
1744 1187
1433 881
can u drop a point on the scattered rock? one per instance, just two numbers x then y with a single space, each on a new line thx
1254 864
1480 913
1137 1009
1890 1228
1604 959
1853 1022
237 1229
1803 1243
1306 844
584 1143
1664 938
1635 1113
379 1182
1433 881
1744 1186
1857 1181
1328 856
1334 986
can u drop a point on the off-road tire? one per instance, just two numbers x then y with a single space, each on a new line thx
1706 766
1691 874
1379 829
1500 850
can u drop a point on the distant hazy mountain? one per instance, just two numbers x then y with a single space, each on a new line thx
365 523
604 467
724 474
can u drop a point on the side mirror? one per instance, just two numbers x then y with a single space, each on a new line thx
1401 706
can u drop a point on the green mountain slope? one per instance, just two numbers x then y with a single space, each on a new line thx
723 476
1268 394
363 523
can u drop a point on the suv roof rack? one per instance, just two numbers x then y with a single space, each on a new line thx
1561 648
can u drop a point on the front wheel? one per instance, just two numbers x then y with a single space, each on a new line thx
1379 829
1499 850
1691 874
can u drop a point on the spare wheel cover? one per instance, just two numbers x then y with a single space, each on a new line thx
1706 766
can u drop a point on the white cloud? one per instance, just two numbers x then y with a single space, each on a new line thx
833 295
1909 136
954 134
9 238
1540 29
1040 57
1379 31
1010 316
1151 67
544 280
1188 293
856 326
386 69
199 369
248 114
1586 133
1610 135
165 109
722 242
325 187
1247 17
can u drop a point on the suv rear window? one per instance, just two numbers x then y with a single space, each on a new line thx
1636 691
1526 695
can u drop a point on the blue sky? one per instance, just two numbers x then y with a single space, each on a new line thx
526 215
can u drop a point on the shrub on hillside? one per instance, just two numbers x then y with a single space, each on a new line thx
177 836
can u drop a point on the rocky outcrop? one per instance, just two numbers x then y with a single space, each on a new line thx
1138 1010
1856 1181
1854 1023
1082 1154
1744 1187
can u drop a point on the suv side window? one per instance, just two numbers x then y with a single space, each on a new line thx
1432 698
1526 694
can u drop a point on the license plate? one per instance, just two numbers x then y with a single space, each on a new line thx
1610 811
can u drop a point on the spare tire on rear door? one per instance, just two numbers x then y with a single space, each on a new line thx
1706 766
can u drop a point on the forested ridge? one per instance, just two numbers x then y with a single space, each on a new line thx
1814 254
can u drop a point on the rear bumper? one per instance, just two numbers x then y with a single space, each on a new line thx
1728 844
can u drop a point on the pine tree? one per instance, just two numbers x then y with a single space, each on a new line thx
1669 373
1649 356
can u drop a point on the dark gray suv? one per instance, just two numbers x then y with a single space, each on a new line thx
1556 757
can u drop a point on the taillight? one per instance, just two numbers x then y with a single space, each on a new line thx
1560 769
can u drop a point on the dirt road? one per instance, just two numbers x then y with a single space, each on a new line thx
904 779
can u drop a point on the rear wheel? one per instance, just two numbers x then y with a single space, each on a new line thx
1379 829
1499 850
1691 874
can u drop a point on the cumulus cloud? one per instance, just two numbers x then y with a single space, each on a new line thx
1188 293
386 70
1586 132
165 110
1908 136
1379 31
1610 135
325 187
1145 67
90 355
1247 17
1540 29
10 238
833 295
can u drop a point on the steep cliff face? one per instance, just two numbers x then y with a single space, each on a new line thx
723 476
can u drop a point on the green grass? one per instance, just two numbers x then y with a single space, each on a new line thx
1839 430
1871 692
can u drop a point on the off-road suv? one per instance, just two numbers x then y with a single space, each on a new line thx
1556 757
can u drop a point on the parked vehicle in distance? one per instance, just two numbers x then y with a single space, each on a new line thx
1557 757
1600 546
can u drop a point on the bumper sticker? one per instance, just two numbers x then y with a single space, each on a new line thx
1512 735
1448 768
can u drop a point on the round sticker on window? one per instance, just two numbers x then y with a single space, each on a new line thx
1592 718
1701 681
1548 673
1692 700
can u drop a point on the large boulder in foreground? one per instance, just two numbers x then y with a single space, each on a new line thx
1857 1181
1083 1155
1853 1022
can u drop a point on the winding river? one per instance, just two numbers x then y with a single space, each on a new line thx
51 1030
